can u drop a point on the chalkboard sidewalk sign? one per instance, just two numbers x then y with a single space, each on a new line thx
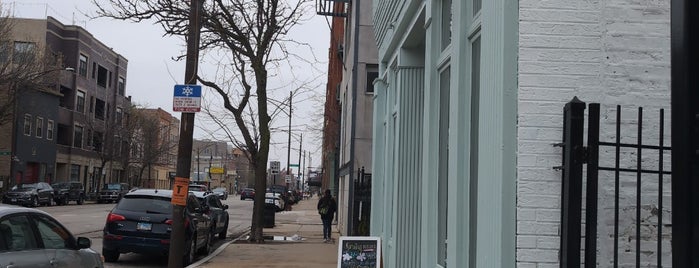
359 252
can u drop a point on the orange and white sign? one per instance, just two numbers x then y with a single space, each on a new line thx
180 190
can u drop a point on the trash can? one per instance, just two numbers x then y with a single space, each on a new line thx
268 215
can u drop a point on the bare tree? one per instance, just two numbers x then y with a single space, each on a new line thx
150 142
24 66
251 36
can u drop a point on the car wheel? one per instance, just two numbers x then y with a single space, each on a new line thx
191 253
110 255
35 201
206 248
81 200
222 234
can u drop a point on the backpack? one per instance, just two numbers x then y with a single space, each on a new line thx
324 207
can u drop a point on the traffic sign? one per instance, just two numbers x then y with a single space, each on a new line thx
180 190
187 98
293 165
274 167
5 153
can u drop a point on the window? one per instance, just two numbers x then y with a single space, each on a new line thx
99 109
92 104
89 138
119 115
121 85
101 76
24 52
5 50
78 137
446 23
39 127
476 6
80 101
74 172
49 130
443 173
372 73
28 124
82 66
52 234
109 79
17 233
97 141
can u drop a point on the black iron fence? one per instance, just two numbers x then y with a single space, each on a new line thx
361 204
646 174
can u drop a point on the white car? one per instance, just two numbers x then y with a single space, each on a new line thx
276 199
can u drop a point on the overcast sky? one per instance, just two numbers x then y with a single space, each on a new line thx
152 73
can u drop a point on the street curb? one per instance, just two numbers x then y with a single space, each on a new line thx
218 250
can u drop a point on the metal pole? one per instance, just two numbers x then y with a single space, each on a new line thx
184 149
288 150
299 163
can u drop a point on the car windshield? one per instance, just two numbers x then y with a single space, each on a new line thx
25 186
62 185
112 187
145 204
197 188
219 190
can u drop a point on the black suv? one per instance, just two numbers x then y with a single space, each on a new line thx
141 223
112 192
29 194
64 192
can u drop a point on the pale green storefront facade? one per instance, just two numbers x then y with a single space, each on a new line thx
445 117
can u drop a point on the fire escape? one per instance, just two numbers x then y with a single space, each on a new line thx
333 8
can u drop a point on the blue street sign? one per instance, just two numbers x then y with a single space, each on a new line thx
188 91
187 98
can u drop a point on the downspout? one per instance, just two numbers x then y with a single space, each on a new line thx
355 61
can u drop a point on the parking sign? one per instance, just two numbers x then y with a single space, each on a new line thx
187 98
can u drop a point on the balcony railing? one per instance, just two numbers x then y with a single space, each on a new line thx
334 8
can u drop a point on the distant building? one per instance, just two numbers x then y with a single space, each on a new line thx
68 135
209 162
161 172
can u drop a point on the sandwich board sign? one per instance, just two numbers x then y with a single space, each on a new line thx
359 252
187 98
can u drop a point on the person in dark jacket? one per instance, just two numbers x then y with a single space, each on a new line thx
326 208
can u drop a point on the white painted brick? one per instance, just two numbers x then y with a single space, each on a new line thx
537 255
611 52
526 241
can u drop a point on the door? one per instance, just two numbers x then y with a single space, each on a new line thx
59 246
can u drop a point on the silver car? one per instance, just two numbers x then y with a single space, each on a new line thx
32 238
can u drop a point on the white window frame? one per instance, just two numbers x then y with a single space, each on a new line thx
27 124
49 129
39 131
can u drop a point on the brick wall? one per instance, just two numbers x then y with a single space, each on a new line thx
611 52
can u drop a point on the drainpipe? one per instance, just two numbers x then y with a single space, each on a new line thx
355 61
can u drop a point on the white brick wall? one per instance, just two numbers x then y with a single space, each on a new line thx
611 52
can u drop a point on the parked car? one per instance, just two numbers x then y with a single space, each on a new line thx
216 211
222 192
247 193
64 192
112 192
276 199
29 194
141 223
33 238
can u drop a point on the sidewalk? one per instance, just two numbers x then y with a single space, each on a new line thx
310 252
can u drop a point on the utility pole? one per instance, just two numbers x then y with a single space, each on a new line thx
288 150
184 149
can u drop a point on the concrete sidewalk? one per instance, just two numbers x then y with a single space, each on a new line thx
309 252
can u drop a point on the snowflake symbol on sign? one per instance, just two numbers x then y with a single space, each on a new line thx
187 91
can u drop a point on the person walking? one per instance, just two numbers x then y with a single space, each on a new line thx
326 208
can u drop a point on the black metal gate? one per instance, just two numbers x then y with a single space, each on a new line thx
362 203
575 155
